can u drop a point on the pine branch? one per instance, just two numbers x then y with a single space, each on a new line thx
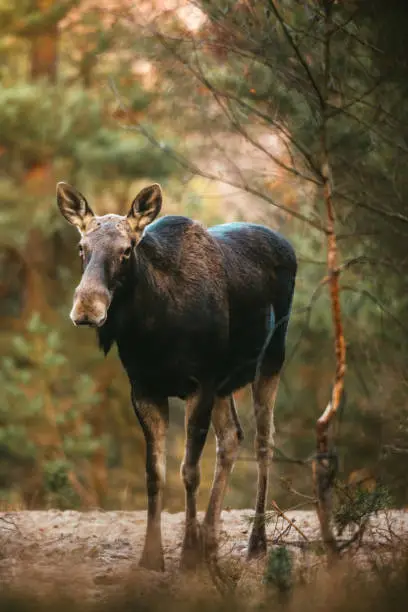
370 127
357 100
239 128
241 102
377 302
297 52
378 211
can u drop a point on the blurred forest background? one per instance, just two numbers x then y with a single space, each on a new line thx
112 95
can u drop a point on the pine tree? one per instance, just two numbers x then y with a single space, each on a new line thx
58 123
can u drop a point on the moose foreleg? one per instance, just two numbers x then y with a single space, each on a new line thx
198 416
154 421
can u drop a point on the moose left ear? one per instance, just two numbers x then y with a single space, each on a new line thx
74 206
145 207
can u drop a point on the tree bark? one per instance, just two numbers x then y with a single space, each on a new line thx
325 464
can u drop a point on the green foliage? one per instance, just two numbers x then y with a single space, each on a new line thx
56 475
24 18
57 485
356 507
109 154
43 417
279 569
41 122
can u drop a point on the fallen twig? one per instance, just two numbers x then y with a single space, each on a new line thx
292 523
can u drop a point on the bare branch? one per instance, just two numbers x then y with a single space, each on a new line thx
378 133
358 100
378 211
290 169
378 303
308 311
241 102
205 174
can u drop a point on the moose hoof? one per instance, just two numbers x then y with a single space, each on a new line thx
152 561
192 553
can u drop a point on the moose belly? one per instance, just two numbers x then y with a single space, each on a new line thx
174 362
171 368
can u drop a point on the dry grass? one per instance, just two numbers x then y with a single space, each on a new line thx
88 561
341 590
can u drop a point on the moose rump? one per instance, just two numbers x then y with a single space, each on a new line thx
260 268
197 314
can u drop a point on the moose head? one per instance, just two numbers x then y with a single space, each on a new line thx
106 248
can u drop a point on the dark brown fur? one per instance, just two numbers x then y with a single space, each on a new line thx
197 314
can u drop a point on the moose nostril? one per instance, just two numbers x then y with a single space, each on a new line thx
85 320
81 320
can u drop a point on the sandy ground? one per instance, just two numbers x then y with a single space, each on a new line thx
96 553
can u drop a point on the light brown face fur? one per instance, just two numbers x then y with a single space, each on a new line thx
105 249
106 246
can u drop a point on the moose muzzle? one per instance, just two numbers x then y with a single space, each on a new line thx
90 307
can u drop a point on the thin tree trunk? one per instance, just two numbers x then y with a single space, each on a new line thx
325 464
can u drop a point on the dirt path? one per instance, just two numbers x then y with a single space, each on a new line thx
96 553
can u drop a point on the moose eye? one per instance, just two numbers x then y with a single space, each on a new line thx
126 253
80 251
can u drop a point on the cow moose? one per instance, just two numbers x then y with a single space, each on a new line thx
196 314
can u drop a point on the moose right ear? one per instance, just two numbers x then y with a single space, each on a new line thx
74 206
145 208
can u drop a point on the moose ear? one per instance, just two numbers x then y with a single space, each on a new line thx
74 206
145 207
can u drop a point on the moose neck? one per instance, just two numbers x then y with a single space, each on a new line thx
138 286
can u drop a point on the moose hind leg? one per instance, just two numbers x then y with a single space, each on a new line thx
264 391
198 416
229 435
154 420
